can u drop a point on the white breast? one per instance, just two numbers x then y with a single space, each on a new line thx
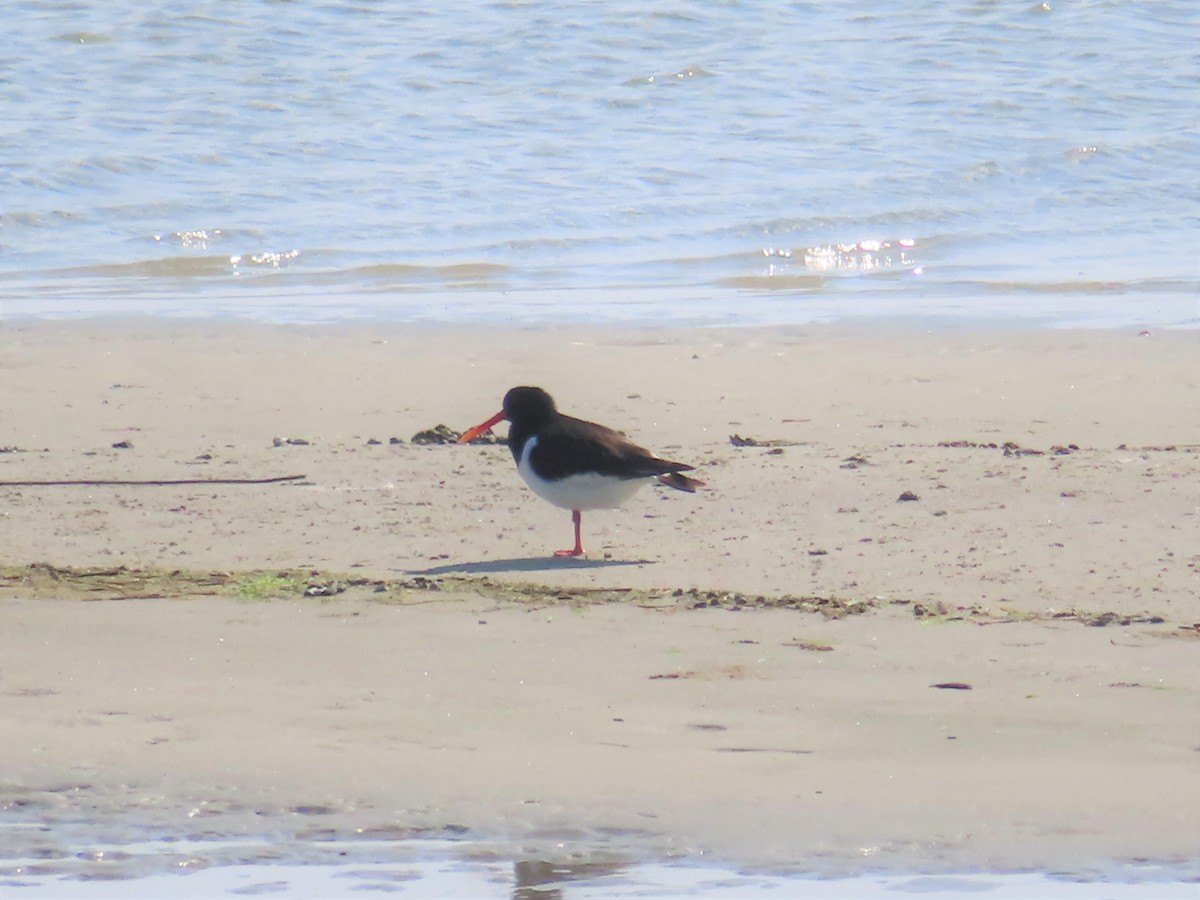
590 491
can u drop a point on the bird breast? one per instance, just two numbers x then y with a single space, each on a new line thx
585 491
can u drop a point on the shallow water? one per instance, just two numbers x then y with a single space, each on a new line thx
439 869
737 161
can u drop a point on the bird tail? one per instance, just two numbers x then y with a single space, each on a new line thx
680 482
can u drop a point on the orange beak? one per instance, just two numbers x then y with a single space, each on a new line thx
481 428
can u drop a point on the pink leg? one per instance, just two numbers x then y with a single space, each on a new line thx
578 551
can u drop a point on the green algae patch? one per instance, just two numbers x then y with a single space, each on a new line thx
269 585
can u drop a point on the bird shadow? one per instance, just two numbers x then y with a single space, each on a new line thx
526 564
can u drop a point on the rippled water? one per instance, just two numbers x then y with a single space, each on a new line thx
189 868
722 161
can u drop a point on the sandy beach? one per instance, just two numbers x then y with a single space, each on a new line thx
749 672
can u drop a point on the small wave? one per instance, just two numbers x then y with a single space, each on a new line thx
388 276
194 266
451 272
21 218
774 282
85 37
167 267
1090 286
687 73
268 259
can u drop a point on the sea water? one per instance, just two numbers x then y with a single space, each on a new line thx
742 161
440 869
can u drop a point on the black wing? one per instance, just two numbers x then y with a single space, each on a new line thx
572 446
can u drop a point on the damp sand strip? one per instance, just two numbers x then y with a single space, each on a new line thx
757 735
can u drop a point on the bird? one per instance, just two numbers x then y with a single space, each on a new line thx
574 464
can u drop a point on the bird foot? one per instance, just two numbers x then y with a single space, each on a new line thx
572 553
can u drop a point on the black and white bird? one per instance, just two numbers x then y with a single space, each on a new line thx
574 464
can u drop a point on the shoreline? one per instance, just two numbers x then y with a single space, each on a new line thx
1056 480
763 303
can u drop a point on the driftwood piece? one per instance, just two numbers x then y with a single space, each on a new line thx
150 482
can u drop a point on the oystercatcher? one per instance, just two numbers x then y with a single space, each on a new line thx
574 464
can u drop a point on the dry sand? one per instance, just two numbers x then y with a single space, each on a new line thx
539 715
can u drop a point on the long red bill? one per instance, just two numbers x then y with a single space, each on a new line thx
481 428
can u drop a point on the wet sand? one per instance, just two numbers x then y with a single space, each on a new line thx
1056 483
759 736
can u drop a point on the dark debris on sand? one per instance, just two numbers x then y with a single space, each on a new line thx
444 434
41 580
